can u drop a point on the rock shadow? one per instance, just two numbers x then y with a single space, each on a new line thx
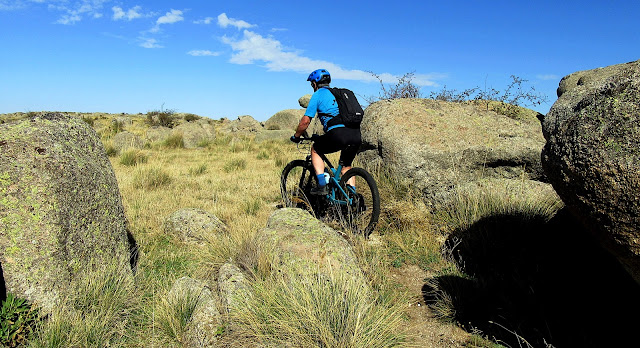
3 287
133 251
547 282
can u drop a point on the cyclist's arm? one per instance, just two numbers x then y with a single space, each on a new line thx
302 126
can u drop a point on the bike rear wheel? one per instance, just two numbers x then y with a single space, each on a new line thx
296 182
361 216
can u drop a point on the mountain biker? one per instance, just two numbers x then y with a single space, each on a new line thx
337 137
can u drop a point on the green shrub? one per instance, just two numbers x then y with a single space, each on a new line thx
18 320
191 117
165 118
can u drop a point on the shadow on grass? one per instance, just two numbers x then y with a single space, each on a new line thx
546 282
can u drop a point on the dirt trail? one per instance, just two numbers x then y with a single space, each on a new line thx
424 328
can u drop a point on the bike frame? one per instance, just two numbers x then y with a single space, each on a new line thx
334 182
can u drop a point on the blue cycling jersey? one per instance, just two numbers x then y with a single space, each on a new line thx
324 104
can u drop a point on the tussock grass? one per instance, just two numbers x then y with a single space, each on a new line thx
174 141
198 170
493 198
319 311
99 311
110 150
131 157
151 178
235 165
173 315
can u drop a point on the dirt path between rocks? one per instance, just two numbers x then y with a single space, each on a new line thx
424 328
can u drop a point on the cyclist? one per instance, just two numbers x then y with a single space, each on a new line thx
337 137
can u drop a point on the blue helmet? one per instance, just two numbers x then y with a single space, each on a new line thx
320 75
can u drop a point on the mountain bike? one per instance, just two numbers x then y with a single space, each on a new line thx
353 199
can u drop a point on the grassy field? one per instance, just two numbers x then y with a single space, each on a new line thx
237 180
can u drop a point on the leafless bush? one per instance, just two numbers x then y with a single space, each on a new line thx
404 88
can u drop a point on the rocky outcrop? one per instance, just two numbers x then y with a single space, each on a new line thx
439 146
205 321
243 124
234 287
196 133
60 208
270 135
592 155
193 225
157 134
304 101
306 246
284 120
126 140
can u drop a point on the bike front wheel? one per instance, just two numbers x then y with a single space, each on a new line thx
362 211
296 182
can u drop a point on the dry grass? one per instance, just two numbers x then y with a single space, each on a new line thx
238 181
319 311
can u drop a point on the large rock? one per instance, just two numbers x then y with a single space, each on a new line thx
205 321
127 140
193 225
285 120
270 135
592 155
233 286
439 146
306 246
243 124
157 133
304 101
195 134
60 208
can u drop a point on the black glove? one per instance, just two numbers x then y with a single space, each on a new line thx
295 139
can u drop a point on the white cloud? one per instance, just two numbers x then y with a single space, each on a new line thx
547 77
150 43
69 19
203 53
74 11
254 48
224 21
171 17
132 13
207 20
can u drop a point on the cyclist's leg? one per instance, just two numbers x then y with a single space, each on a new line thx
317 162
325 144
346 159
352 140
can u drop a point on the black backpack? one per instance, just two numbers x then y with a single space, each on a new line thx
351 112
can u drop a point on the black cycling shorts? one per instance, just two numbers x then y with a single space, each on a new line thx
342 139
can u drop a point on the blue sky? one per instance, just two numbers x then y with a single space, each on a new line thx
231 58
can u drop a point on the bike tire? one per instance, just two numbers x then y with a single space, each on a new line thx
296 181
361 216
